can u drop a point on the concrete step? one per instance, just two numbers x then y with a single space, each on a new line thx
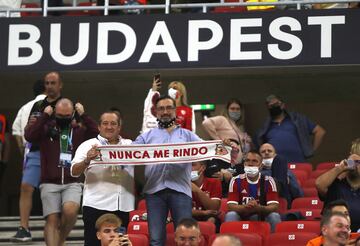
9 226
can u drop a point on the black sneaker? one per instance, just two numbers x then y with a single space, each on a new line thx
22 235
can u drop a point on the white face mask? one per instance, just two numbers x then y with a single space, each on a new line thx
268 162
251 172
195 175
172 93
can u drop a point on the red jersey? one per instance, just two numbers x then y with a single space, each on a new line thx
251 190
184 117
212 187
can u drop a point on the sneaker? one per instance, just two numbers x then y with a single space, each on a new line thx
22 235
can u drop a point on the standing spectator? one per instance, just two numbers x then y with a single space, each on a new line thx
107 189
167 187
4 146
253 196
31 175
31 170
335 230
187 233
343 182
206 195
230 125
277 167
107 227
289 132
184 114
59 138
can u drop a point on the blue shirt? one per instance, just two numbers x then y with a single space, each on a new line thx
173 176
284 137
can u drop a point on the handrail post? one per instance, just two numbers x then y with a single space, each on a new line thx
45 8
167 7
106 5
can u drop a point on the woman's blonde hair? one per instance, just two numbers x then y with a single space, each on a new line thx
355 147
177 85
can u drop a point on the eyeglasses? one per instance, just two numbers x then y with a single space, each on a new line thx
167 108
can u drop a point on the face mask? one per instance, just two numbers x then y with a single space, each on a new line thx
275 111
251 172
172 93
63 122
165 124
267 162
235 115
195 175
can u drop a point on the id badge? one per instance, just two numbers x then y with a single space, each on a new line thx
65 160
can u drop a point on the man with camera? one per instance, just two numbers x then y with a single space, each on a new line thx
58 137
343 182
51 87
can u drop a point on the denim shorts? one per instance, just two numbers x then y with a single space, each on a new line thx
31 169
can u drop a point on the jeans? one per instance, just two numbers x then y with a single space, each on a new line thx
272 218
158 206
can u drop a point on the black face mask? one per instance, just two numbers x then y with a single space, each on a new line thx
275 111
165 124
63 122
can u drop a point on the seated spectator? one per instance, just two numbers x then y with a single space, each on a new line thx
337 206
187 233
206 195
107 231
276 166
226 240
253 196
335 230
229 125
342 182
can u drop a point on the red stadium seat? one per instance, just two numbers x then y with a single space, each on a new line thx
207 229
317 173
308 213
247 239
138 227
326 165
307 167
170 228
290 238
309 183
229 9
30 5
260 227
299 226
307 202
301 175
139 239
137 215
141 204
310 192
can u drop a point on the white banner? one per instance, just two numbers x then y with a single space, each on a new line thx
146 154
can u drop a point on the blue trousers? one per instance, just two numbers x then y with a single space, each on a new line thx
272 218
158 206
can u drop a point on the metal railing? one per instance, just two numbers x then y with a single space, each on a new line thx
167 6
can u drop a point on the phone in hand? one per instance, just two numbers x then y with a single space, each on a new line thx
352 163
157 76
121 230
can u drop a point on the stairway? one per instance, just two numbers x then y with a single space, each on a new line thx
9 226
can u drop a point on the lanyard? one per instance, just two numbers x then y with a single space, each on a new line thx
66 140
